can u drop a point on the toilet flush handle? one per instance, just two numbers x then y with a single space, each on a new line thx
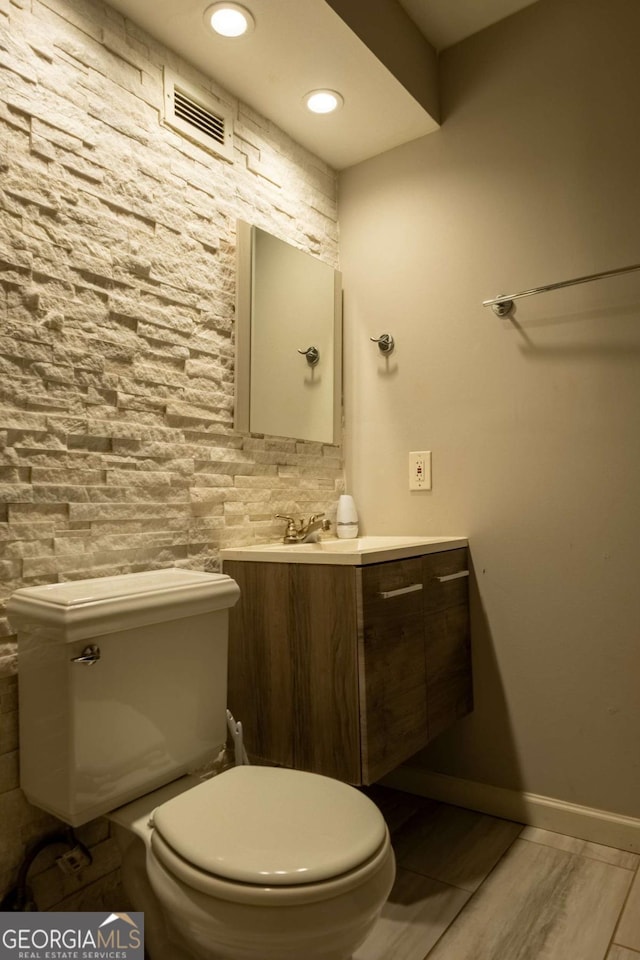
90 655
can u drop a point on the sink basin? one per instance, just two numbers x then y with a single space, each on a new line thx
359 551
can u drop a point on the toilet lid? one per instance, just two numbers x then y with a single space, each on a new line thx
266 826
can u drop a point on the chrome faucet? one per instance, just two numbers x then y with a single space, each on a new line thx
299 531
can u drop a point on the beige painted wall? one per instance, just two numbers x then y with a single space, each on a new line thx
534 424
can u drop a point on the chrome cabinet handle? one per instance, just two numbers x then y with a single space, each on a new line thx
90 655
312 354
452 576
386 594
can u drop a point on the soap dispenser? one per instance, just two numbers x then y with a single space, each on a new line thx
346 518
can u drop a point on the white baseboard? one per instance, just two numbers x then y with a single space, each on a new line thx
587 823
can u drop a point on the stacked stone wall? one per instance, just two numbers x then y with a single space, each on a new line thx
117 289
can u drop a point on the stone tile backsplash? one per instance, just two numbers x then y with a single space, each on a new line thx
117 290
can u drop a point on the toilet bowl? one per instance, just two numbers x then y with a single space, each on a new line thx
257 863
122 691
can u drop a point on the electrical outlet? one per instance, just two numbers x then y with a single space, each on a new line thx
420 470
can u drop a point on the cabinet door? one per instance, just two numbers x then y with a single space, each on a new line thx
392 661
447 639
293 676
325 731
261 690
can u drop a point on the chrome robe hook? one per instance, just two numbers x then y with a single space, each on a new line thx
312 354
385 342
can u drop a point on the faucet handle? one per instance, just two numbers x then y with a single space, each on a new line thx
291 534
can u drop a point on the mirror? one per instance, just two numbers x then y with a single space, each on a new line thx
287 302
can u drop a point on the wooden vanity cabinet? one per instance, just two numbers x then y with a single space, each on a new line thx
347 670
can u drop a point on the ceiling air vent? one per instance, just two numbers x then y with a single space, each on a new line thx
192 113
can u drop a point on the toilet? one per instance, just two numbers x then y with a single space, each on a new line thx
122 697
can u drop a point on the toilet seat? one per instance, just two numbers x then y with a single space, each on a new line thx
264 895
254 829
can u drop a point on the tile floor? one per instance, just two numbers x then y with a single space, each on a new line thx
473 887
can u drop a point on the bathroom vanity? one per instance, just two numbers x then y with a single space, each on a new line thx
348 656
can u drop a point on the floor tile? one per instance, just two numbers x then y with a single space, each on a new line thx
628 932
619 858
456 846
416 914
396 806
621 953
539 903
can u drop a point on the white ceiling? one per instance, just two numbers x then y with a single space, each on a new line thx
301 45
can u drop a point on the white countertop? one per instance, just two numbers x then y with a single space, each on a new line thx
358 551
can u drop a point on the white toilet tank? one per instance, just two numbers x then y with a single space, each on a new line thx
123 684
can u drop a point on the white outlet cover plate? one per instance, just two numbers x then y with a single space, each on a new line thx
420 470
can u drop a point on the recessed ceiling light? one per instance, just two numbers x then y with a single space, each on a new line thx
323 101
229 19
